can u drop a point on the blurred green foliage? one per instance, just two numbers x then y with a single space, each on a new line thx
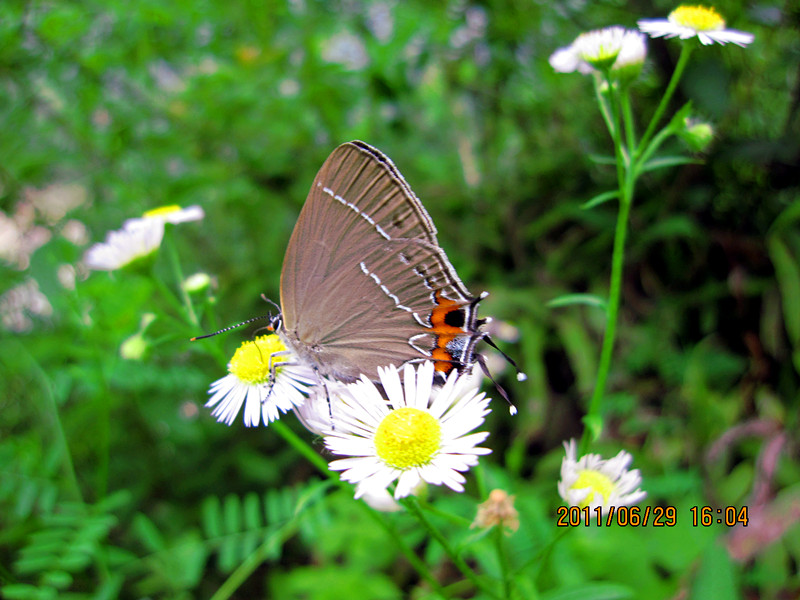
115 482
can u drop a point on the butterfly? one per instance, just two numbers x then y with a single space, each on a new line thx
364 282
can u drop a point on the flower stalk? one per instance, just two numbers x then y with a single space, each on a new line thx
594 52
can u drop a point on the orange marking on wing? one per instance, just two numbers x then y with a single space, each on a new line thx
444 333
443 361
439 314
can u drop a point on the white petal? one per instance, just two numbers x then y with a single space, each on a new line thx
740 38
390 379
380 481
252 408
406 483
565 60
424 385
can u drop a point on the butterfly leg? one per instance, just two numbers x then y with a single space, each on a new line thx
274 363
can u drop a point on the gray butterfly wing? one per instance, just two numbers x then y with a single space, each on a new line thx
364 282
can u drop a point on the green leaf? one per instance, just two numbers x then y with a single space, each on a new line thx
580 348
594 424
668 161
57 579
716 577
26 498
109 588
671 227
677 121
600 199
590 591
788 218
24 591
147 533
331 583
252 511
575 299
787 272
63 25
232 513
602 159
211 517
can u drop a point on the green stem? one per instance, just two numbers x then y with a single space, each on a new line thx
502 557
103 432
56 427
412 506
659 139
321 464
615 291
627 171
616 132
175 263
453 519
686 50
627 115
592 420
249 565
603 105
296 442
411 556
539 560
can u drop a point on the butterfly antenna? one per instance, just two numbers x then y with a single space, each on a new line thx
248 321
265 299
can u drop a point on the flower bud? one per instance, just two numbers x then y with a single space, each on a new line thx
697 134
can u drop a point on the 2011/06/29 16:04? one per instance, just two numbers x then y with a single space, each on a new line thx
657 516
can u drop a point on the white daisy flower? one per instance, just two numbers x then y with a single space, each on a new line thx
601 47
614 47
418 435
631 55
137 239
175 214
262 377
593 481
689 21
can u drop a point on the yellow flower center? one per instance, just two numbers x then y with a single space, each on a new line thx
598 483
162 211
699 18
408 437
250 362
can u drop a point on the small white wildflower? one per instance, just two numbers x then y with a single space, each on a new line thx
175 214
686 22
593 481
262 376
415 436
137 239
614 47
601 47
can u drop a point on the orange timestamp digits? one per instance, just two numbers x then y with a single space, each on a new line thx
705 516
624 516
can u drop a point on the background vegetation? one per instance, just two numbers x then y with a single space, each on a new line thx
115 481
